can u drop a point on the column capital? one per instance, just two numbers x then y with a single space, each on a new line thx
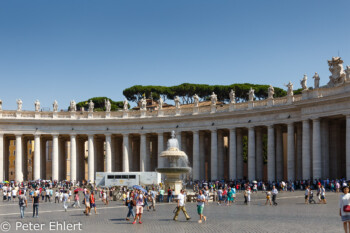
55 134
290 123
37 135
213 130
233 129
271 126
347 116
73 134
108 134
195 131
316 119
306 120
18 135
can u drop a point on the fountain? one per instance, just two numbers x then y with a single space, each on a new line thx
175 169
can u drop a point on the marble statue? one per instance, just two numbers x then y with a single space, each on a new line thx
107 105
303 82
143 103
55 106
196 100
316 78
72 106
126 105
232 97
160 103
0 105
271 92
338 75
37 105
91 106
213 98
19 105
177 102
290 89
251 94
347 73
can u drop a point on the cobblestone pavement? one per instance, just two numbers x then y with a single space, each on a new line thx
291 215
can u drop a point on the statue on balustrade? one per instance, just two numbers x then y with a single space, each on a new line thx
19 105
251 94
289 88
316 78
72 106
160 103
213 98
126 105
177 102
91 106
347 73
271 92
232 97
37 105
195 100
303 82
143 103
338 75
55 106
107 105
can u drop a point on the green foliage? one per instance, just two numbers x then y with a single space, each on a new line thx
187 90
100 104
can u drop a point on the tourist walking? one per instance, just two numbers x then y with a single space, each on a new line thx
139 206
323 195
170 195
344 211
22 201
129 202
35 200
87 203
307 194
200 206
57 196
65 200
76 200
153 196
181 206
274 195
268 198
92 202
161 195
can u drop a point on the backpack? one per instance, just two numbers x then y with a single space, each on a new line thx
21 201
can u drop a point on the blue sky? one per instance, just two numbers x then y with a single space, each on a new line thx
80 49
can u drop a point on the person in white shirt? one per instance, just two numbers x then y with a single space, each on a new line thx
181 206
344 212
57 196
14 194
323 195
65 199
274 195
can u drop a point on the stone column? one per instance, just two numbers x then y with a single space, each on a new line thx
160 149
18 163
108 153
316 149
306 150
290 152
271 153
73 158
37 162
232 155
214 155
2 164
347 149
125 153
178 136
91 158
279 153
196 165
55 157
251 153
259 154
143 153
239 154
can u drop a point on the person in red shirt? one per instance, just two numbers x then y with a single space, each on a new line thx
92 202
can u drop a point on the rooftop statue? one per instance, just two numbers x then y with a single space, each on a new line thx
251 94
19 105
55 106
271 92
289 89
91 106
72 106
316 78
160 103
177 102
143 103
232 96
37 105
107 105
338 75
196 100
213 98
126 105
303 82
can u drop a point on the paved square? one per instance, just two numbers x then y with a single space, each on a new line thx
291 215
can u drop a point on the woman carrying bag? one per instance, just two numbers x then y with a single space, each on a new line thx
344 212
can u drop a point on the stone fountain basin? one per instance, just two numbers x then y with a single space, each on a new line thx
170 170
